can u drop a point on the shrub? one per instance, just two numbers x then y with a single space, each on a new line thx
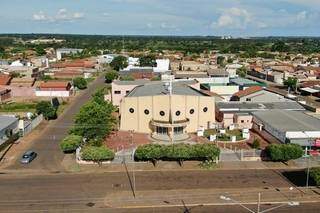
110 76
315 175
126 78
96 154
95 142
284 152
176 152
70 143
256 143
80 83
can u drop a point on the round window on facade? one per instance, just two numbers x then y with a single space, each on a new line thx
131 110
146 112
191 111
205 109
162 113
178 113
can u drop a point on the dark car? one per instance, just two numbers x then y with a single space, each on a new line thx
28 156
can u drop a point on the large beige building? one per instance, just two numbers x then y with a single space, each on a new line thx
152 108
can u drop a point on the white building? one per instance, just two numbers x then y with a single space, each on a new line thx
232 69
63 51
163 65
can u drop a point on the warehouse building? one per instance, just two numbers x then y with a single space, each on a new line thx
288 126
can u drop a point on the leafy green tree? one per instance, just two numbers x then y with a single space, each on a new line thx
40 51
95 119
119 63
148 61
280 46
96 154
220 60
70 143
242 71
98 96
291 83
46 109
80 83
110 76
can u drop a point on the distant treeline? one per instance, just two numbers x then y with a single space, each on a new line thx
186 44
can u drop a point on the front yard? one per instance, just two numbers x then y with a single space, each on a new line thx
224 137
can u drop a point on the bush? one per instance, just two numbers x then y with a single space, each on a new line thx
70 143
284 152
176 152
80 83
96 154
126 78
315 175
46 109
256 143
110 76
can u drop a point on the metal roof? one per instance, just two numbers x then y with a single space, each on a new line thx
288 120
159 88
6 120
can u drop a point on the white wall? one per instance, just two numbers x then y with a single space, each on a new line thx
53 93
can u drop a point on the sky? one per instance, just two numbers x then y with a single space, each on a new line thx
237 18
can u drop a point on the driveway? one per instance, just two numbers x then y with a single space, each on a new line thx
47 143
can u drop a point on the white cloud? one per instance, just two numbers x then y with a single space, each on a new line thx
61 15
233 18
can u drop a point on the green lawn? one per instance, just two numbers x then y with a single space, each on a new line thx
224 137
18 107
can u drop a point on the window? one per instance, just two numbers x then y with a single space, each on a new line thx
162 113
205 109
242 121
248 99
117 92
146 112
127 91
131 110
162 130
178 113
191 111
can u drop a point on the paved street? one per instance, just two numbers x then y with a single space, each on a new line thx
47 144
95 192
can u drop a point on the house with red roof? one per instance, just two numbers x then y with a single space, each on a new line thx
54 89
5 95
256 94
5 79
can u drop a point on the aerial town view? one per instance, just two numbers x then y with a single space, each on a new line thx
159 106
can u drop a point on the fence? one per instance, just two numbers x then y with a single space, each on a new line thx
241 155
31 125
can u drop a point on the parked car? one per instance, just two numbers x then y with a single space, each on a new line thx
28 156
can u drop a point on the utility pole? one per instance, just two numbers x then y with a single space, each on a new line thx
259 198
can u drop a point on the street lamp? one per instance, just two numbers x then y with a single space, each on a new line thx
290 203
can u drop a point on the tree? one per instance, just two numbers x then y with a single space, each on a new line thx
291 83
40 51
220 60
280 46
80 83
119 63
315 175
70 143
95 119
110 76
126 78
148 61
46 109
242 71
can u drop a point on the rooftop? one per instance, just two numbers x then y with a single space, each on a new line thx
54 84
248 91
251 107
6 120
245 81
135 82
159 88
289 120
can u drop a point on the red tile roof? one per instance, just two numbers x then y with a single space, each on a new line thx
4 79
248 91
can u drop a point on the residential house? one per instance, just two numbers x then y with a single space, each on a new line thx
8 127
5 95
54 89
257 94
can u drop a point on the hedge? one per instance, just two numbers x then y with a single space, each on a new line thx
284 152
70 143
176 152
97 154
315 175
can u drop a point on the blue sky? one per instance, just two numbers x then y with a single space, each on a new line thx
162 17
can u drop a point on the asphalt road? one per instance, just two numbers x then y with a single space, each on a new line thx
47 144
87 192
